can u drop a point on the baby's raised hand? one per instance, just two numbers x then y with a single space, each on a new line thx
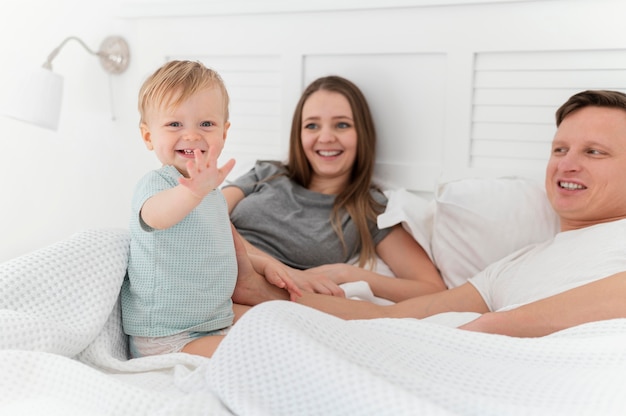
204 175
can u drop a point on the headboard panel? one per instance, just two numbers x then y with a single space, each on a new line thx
457 90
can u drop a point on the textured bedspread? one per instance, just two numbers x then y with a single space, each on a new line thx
284 359
62 352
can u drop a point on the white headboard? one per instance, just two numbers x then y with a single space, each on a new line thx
458 88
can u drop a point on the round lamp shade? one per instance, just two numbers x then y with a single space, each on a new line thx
35 97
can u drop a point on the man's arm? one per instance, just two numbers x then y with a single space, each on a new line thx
596 301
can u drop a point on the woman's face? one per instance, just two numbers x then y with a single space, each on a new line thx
329 140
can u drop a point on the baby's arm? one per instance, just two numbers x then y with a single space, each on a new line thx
169 207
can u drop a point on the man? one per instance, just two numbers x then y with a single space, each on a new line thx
580 275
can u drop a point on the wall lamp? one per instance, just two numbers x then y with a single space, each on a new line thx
37 97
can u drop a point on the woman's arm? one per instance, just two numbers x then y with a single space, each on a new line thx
305 281
272 267
233 196
596 301
415 274
464 298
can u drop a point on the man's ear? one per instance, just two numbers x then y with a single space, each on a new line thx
145 135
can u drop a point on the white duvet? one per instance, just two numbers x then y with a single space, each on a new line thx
62 352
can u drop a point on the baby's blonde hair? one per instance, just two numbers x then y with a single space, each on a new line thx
176 81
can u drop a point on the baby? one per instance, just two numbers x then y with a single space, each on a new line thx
182 268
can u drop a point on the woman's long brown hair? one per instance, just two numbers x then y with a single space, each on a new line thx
356 198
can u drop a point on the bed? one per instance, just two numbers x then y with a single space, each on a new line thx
465 119
62 349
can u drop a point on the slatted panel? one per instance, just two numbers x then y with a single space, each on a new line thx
517 93
406 94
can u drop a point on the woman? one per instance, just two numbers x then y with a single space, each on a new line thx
284 209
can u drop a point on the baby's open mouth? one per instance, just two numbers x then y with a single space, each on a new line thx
187 151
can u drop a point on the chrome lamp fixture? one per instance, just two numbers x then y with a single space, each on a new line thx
36 98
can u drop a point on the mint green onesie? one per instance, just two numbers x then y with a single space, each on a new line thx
181 278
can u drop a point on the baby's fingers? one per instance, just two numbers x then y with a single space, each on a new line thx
226 168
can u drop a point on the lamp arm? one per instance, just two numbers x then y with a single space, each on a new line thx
54 53
114 54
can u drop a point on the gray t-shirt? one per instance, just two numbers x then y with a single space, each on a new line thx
292 223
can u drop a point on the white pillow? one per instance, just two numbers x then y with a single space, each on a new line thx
415 213
471 223
479 221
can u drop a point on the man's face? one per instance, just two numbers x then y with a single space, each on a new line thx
586 173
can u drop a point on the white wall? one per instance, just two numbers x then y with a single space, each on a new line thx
82 176
457 88
56 183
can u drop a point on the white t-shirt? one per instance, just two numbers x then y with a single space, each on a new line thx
572 258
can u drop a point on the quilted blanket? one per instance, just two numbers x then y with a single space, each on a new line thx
62 352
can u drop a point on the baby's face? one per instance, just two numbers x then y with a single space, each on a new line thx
197 123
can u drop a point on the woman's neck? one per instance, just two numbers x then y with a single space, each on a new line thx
328 186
